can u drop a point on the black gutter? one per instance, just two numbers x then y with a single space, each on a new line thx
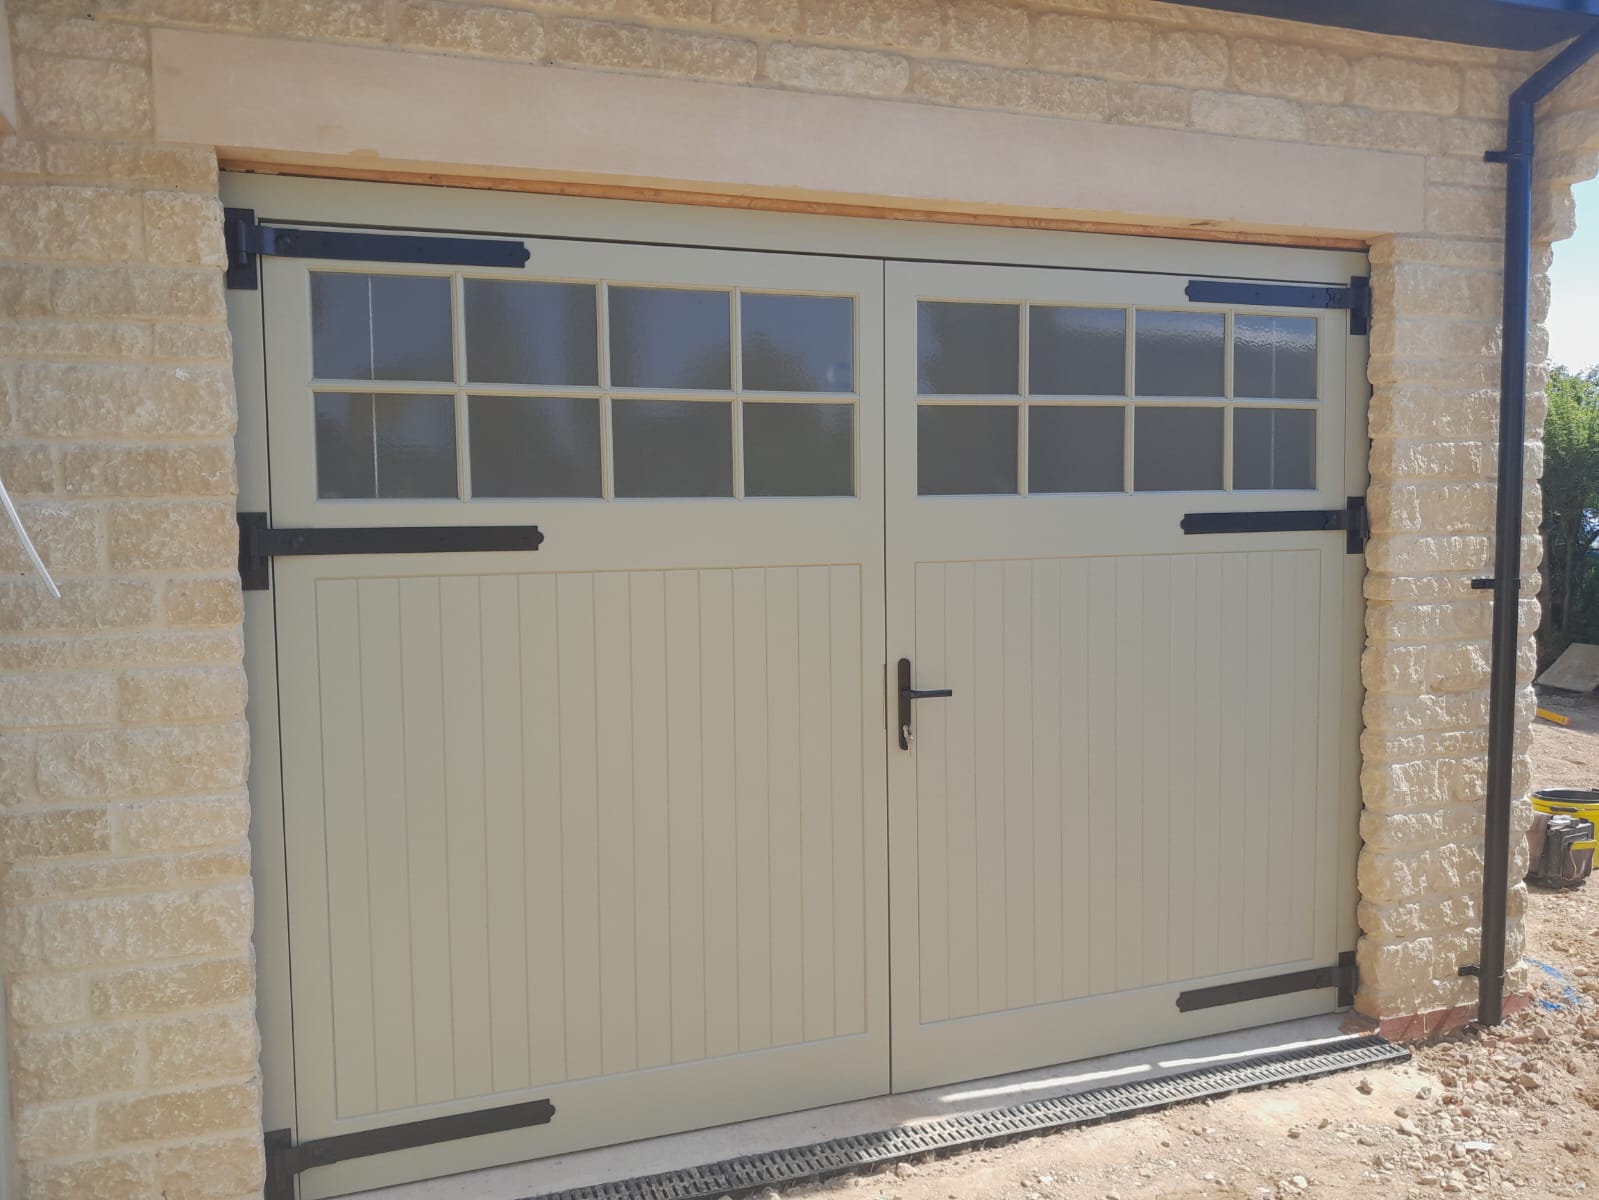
1518 156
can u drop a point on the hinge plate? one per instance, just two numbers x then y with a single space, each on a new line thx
247 239
1352 519
1356 297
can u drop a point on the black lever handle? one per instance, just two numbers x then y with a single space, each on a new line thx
906 694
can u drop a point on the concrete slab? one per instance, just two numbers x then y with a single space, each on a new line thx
611 1163
1576 670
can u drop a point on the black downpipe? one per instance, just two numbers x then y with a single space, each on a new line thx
1518 156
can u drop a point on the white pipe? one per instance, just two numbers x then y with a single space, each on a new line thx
27 542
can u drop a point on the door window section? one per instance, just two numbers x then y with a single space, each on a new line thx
578 390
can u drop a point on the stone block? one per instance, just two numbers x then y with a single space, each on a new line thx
1248 116
826 68
703 56
764 16
1274 68
1146 104
69 223
183 228
168 989
186 168
968 83
83 96
1093 46
1407 85
85 604
220 1169
141 762
67 537
1184 59
75 879
76 339
202 1047
108 1177
36 1000
157 648
180 694
49 701
1066 96
985 30
1331 125
75 37
21 158
79 399
183 824
1468 212
210 866
325 20
148 293
184 536
206 343
66 1064
899 24
168 1116
53 1131
107 931
469 29
602 44
54 833
215 602
123 470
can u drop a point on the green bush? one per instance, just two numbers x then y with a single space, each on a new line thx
1569 588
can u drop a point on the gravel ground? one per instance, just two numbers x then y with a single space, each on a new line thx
1509 1112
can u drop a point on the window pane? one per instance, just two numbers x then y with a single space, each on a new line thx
798 343
1177 449
799 449
668 338
381 327
1274 448
672 447
967 349
964 450
1077 351
345 468
535 446
1274 358
1180 353
542 333
384 447
1075 449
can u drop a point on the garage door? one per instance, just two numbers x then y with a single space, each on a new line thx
1139 784
601 824
648 826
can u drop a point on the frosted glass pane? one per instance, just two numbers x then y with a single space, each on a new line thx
798 343
799 449
1075 449
1180 353
1177 449
376 447
534 446
668 338
1077 351
381 327
1274 448
1274 358
540 333
672 447
968 349
963 450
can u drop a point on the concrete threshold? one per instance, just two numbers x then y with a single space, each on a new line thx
684 1150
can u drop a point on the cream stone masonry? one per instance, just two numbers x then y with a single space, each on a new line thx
125 897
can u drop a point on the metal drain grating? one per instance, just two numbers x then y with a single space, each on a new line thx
737 1176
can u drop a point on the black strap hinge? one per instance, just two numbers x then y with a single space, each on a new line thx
1356 297
247 239
1352 519
1343 975
285 1159
259 543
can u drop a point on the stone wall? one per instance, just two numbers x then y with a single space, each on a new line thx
125 896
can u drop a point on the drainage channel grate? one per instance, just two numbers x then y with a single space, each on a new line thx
737 1176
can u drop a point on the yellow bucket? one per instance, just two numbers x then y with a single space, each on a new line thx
1569 802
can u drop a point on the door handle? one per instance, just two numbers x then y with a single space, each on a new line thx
906 694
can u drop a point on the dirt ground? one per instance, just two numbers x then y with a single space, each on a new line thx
1509 1112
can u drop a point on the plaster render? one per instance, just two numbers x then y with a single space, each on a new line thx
125 892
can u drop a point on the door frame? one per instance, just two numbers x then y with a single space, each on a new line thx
408 206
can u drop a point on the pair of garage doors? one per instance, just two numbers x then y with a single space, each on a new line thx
626 823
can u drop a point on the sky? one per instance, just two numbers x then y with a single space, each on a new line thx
1574 278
